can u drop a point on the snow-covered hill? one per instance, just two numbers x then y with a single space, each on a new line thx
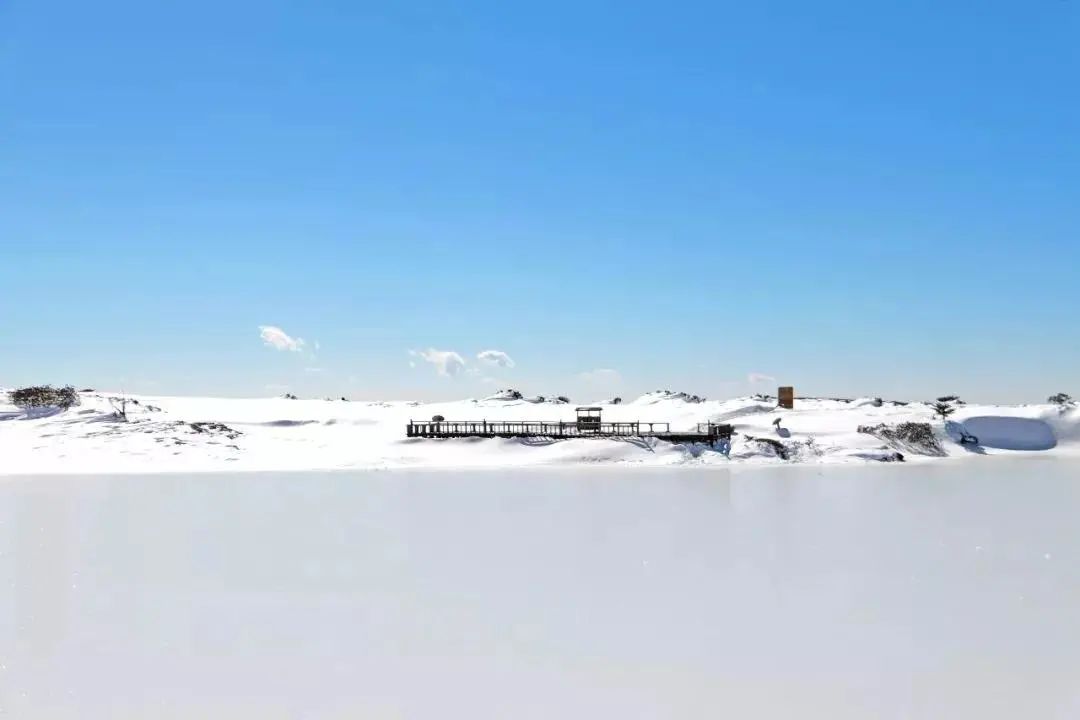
197 434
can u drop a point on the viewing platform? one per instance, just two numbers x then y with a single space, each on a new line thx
587 425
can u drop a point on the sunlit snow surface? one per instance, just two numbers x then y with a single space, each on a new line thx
178 434
939 591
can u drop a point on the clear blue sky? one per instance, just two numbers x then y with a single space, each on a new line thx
853 197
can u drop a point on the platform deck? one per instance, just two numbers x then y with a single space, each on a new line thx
703 433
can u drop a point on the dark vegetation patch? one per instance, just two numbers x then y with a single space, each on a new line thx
41 396
910 436
215 428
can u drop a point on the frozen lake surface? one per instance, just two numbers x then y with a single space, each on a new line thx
948 590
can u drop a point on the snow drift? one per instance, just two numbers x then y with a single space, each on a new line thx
1011 433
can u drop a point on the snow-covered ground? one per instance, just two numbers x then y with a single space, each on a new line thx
944 590
207 434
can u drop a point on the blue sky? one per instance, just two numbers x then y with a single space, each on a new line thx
853 197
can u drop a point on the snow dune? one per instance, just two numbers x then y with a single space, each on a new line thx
207 434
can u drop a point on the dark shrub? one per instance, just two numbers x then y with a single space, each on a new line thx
39 396
943 409
911 436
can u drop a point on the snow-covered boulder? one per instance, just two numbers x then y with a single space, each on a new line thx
1011 433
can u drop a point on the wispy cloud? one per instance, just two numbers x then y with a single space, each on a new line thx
496 358
275 337
447 362
755 377
314 370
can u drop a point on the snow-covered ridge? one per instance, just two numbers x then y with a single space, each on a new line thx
212 434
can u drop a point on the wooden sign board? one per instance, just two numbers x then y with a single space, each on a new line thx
786 397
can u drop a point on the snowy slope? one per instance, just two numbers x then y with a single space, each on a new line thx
204 434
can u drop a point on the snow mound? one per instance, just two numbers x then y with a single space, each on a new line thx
754 408
504 395
1066 425
662 395
511 395
552 399
1011 433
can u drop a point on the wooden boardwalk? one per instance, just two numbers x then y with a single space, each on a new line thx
708 433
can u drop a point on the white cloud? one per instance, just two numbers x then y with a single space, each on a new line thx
755 377
277 338
447 362
601 376
496 358
314 370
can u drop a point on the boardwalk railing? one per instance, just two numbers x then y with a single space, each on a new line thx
546 428
704 432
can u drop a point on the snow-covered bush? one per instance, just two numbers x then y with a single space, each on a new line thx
806 450
910 436
40 396
119 406
1064 402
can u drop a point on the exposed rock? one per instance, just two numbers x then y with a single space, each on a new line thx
674 395
775 446
215 428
